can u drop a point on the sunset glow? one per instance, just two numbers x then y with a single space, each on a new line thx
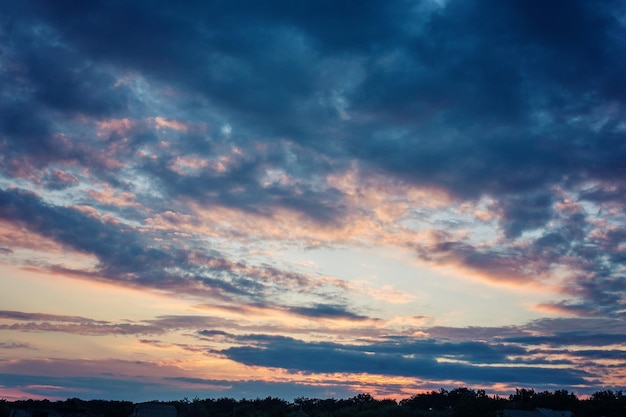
317 199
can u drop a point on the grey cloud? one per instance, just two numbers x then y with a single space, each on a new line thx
6 251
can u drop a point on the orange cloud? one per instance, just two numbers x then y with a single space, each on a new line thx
111 197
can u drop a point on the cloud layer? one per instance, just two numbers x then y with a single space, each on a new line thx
189 150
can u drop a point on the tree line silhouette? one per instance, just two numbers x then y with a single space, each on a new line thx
459 402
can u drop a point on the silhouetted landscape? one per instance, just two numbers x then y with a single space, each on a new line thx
459 402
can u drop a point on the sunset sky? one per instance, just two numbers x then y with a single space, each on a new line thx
311 198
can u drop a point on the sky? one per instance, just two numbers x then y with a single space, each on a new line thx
311 198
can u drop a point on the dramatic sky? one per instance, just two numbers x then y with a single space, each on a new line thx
311 198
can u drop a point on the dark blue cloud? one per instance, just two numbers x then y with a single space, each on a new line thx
526 213
326 311
507 354
451 101
97 387
417 359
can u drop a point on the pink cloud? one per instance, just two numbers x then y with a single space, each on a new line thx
174 124
111 197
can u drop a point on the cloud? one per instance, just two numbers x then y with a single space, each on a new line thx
139 389
6 251
531 354
40 322
176 146
18 315
59 180
128 256
239 182
502 97
326 311
112 388
412 361
14 345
